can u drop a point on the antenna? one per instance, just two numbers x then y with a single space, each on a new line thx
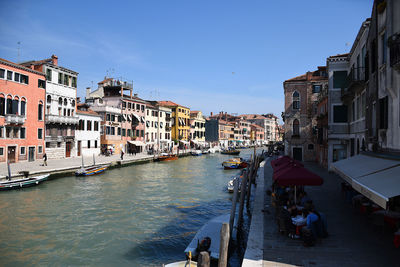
19 44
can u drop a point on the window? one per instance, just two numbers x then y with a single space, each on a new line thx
384 47
108 130
22 150
310 147
119 131
88 144
16 77
14 108
40 133
22 133
2 72
60 78
112 117
40 111
58 144
142 133
1 151
2 105
137 133
1 132
81 125
363 105
48 99
339 78
40 149
95 143
96 125
41 84
60 101
137 107
108 117
23 107
8 132
129 105
74 82
48 144
296 100
119 118
129 132
24 79
9 75
89 125
123 132
142 108
66 79
340 114
123 104
48 75
383 113
15 132
296 127
65 102
112 130
316 88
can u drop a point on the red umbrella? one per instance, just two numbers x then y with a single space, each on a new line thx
297 175
279 161
287 164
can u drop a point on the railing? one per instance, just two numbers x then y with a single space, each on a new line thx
356 77
394 44
14 119
61 119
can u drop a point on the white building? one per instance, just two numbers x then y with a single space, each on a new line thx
61 120
158 127
197 128
87 135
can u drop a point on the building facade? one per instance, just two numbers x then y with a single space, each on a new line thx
180 121
87 134
300 117
60 107
22 120
197 128
158 129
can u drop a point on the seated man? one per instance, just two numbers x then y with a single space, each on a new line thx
285 220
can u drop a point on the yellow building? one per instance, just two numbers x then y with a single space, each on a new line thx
180 120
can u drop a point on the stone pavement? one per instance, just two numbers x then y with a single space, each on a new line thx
352 241
57 165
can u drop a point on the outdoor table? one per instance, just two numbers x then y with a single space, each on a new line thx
299 221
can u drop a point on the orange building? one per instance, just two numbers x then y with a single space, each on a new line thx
22 95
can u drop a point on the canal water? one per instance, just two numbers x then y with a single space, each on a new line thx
141 215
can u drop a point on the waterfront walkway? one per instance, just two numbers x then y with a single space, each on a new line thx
67 164
352 241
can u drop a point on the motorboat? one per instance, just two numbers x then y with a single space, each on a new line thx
234 163
23 182
231 184
167 157
230 152
91 170
197 152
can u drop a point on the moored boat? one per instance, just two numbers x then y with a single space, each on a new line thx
92 170
230 152
196 153
167 157
234 163
23 182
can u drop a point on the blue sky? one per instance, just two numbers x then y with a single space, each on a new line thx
211 56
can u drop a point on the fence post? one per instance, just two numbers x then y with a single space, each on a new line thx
223 246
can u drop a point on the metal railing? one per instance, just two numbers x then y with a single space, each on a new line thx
395 51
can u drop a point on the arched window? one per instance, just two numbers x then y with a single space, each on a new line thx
2 105
73 103
40 111
65 102
296 127
23 106
48 98
60 101
296 100
15 105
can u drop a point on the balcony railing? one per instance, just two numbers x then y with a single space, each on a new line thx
355 79
14 119
394 44
61 119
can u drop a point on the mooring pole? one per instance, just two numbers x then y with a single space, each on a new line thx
234 201
9 170
223 246
203 259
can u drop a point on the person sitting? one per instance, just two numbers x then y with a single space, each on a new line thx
308 232
285 221
303 198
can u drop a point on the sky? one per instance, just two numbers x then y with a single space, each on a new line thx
212 56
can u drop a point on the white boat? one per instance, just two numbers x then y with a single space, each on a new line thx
196 153
212 229
231 185
182 264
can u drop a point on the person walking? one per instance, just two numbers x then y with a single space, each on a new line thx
122 155
45 159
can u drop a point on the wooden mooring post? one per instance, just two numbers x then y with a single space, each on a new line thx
223 246
203 259
242 196
234 201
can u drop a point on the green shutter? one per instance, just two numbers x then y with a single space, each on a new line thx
339 78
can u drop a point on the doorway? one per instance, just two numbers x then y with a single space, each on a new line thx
68 147
31 154
79 148
298 153
11 154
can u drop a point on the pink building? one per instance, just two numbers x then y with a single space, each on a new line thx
22 98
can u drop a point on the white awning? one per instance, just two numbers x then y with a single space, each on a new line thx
376 178
136 143
129 117
142 119
136 116
184 142
124 116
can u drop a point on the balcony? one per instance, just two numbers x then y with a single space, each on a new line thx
14 119
355 81
394 45
61 119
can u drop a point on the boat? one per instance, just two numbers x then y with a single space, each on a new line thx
23 182
167 157
231 185
196 153
186 263
208 236
234 163
230 152
92 170
206 151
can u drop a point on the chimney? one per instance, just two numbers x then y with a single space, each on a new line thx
135 95
211 113
308 75
78 100
87 92
54 60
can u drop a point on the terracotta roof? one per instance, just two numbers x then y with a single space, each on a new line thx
170 104
87 112
38 62
194 112
339 55
256 126
252 117
105 80
19 66
309 76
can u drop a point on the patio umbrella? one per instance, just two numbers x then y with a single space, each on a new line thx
287 164
279 161
297 176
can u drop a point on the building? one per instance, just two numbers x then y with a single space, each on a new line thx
22 120
269 122
197 128
322 129
158 127
123 124
87 134
300 117
60 107
180 123
257 135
